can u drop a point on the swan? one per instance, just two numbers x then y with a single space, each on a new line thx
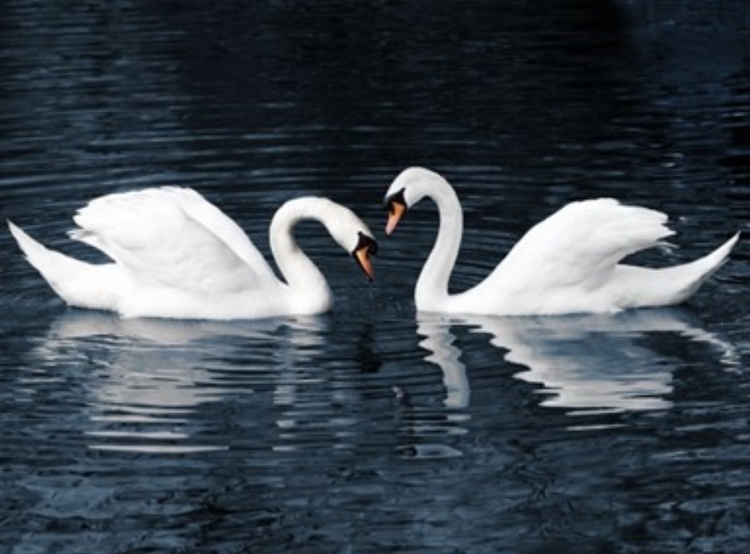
176 255
568 263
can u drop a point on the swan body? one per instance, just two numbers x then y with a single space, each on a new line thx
176 255
568 263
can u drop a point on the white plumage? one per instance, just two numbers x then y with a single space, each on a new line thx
568 263
176 255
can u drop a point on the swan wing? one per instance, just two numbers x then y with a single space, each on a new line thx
580 245
173 237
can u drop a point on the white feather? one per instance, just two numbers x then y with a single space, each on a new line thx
176 255
568 263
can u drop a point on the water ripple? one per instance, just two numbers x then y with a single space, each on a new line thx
374 428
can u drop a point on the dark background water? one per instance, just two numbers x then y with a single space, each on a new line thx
373 428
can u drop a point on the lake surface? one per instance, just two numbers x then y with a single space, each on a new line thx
374 428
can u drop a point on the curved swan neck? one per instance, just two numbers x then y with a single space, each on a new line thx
299 272
432 286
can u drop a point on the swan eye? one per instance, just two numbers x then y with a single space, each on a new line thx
366 243
393 199
366 246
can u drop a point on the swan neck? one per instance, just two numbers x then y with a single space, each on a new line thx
301 275
432 285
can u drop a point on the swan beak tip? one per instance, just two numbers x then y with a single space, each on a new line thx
397 209
363 258
366 247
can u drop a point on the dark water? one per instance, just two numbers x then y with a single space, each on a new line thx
372 428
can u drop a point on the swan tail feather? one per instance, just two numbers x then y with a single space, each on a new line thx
78 283
673 285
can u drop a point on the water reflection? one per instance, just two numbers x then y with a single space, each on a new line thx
438 340
151 382
253 103
592 363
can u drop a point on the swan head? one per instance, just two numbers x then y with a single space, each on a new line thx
366 247
344 226
353 235
408 188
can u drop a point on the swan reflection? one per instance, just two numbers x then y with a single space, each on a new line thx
586 362
438 340
149 377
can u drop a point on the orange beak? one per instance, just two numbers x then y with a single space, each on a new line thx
366 247
363 259
396 210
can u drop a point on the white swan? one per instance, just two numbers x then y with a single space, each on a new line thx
176 255
568 263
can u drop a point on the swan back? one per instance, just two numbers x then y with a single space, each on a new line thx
173 238
581 244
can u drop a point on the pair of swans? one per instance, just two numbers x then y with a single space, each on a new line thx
176 255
